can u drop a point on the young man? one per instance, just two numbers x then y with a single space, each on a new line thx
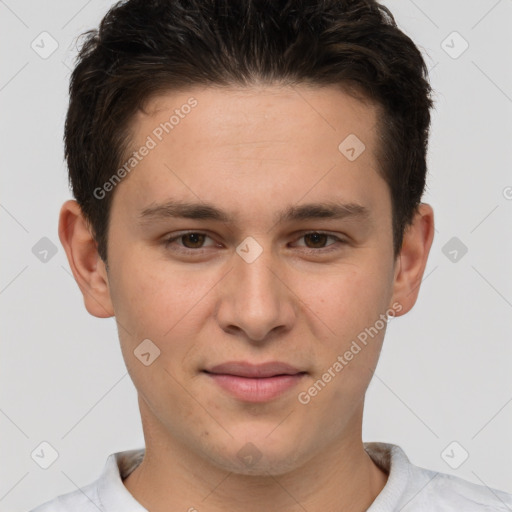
248 179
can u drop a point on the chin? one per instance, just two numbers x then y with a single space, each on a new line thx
258 458
265 467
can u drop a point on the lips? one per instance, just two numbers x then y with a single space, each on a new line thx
254 371
255 383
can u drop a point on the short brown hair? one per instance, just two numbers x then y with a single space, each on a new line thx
144 47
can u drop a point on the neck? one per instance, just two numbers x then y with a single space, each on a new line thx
341 477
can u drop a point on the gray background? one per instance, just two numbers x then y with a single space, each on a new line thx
444 373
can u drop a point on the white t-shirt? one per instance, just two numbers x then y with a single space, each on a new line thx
409 488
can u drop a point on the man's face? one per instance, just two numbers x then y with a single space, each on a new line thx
251 287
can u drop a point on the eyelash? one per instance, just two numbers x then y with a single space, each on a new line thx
323 250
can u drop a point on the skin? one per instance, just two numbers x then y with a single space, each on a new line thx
251 152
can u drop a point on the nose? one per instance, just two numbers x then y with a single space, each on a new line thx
256 300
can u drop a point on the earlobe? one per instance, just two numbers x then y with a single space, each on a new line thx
413 257
85 263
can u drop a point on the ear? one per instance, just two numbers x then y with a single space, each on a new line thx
85 262
412 259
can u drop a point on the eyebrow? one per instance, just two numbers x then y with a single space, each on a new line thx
206 211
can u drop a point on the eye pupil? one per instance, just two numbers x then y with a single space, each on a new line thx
315 238
197 239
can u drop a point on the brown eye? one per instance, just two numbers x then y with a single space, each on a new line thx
192 242
196 240
317 240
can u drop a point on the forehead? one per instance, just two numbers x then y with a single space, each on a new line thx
232 116
280 143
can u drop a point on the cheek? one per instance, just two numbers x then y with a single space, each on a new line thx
164 305
347 311
151 298
155 304
348 301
